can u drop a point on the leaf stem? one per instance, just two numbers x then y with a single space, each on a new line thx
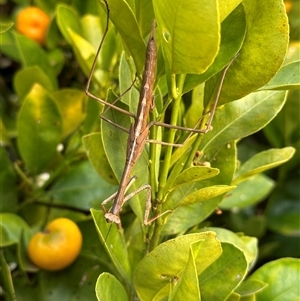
176 95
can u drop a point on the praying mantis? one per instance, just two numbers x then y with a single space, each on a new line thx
139 129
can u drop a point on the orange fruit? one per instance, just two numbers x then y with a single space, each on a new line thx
33 23
288 6
57 247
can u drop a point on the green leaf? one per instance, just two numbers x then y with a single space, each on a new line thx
225 8
27 77
95 151
233 30
71 27
81 188
181 24
114 242
67 18
248 245
8 45
145 16
7 282
243 117
68 284
32 54
39 128
91 29
131 97
242 196
156 275
263 161
84 51
251 287
287 78
235 297
282 276
196 173
225 274
14 230
184 217
129 30
265 44
181 217
246 221
8 192
282 211
11 229
284 129
72 103
110 289
4 26
206 193
57 59
187 287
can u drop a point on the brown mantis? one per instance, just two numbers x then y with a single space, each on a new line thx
139 129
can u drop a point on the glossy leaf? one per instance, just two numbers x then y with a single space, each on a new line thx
243 117
282 276
187 285
196 173
27 77
225 274
225 8
95 151
240 241
72 104
39 128
233 30
204 194
260 187
251 287
81 188
68 18
129 30
184 217
156 271
70 26
114 243
91 29
287 78
263 161
84 51
180 25
265 44
109 288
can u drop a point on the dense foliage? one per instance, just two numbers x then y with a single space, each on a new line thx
232 196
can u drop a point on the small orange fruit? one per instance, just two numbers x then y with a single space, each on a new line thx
33 23
288 6
57 247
